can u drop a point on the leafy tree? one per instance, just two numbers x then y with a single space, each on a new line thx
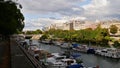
11 18
96 36
113 29
44 36
34 32
29 32
105 32
11 21
116 44
38 31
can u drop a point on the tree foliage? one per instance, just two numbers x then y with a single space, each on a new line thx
96 36
113 29
38 31
116 44
44 36
11 18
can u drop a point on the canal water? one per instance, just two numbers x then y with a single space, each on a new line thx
88 59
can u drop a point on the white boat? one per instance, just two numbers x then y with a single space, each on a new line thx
108 52
57 43
58 56
81 48
53 62
69 61
66 45
60 61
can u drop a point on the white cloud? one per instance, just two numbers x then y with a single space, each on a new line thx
76 9
80 18
102 9
71 7
34 24
62 7
95 9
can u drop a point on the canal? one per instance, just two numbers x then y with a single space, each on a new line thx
88 59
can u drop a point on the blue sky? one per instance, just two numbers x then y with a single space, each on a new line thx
39 13
85 2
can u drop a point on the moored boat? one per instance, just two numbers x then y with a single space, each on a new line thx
108 52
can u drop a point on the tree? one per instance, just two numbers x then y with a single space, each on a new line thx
11 18
11 21
113 29
116 44
28 32
38 31
44 36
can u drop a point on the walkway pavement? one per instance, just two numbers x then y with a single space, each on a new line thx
13 59
4 55
18 59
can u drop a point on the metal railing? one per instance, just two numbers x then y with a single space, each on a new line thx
35 62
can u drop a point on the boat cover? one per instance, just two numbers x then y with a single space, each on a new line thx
75 45
75 55
75 66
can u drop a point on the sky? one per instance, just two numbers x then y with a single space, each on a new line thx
41 13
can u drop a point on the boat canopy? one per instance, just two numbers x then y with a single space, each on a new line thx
75 55
91 51
75 45
75 66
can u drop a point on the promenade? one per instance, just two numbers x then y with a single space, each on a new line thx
13 59
4 55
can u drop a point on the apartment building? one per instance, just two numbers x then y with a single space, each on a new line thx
78 25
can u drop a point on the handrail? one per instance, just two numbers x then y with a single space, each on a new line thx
34 61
